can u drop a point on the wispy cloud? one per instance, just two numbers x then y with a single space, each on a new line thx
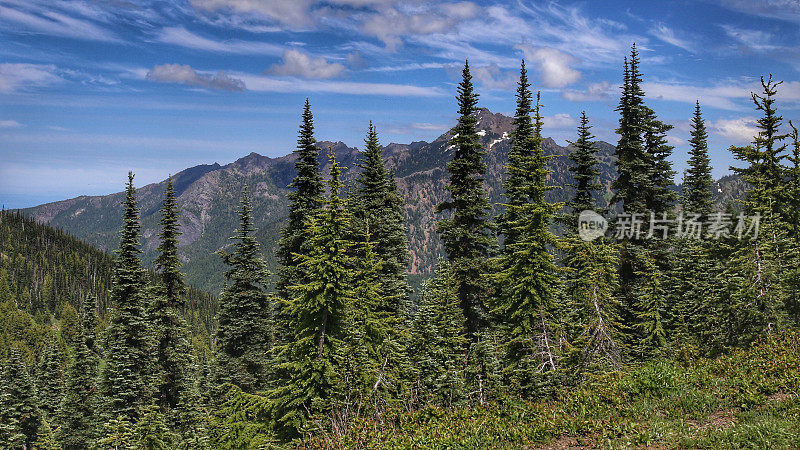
299 64
184 74
491 77
56 24
667 34
727 96
559 121
739 131
270 84
291 13
14 77
182 37
786 10
593 92
9 124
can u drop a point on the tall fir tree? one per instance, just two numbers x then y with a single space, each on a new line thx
467 232
585 172
76 418
523 141
316 311
243 333
305 197
19 415
526 268
759 269
377 206
173 358
124 380
697 180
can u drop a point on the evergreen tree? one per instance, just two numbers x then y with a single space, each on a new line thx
45 439
651 297
243 332
527 270
124 382
467 232
18 411
305 198
170 333
758 269
437 340
524 139
49 378
697 181
377 206
76 413
151 431
117 434
585 173
316 311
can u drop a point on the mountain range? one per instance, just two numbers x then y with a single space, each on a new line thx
208 196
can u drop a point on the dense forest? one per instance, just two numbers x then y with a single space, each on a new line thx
679 315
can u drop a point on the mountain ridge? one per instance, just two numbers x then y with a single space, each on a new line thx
208 194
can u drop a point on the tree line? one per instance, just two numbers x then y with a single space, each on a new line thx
514 309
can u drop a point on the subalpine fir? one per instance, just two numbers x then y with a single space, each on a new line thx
316 312
244 330
466 229
125 383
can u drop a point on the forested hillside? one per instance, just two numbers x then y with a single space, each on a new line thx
620 310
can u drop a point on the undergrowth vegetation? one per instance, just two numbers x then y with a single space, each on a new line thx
747 399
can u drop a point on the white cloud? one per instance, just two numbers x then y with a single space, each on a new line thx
14 77
298 64
491 77
723 96
667 34
553 65
262 83
755 40
389 24
184 74
293 13
9 124
739 131
559 121
675 140
593 92
56 24
182 37
788 10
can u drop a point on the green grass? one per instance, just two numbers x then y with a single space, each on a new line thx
747 399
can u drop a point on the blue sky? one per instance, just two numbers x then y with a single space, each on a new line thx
90 89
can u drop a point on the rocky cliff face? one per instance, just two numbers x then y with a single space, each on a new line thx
208 197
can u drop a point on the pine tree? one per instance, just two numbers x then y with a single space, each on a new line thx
316 312
173 348
377 206
697 181
243 317
124 381
468 233
437 340
305 198
658 194
49 378
18 411
76 412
